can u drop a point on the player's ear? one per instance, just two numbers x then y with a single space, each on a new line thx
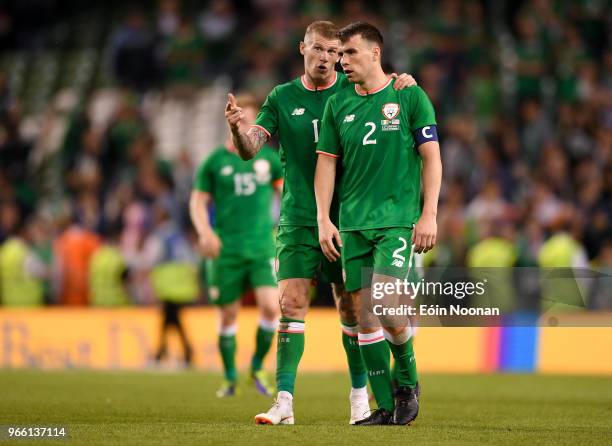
376 54
302 46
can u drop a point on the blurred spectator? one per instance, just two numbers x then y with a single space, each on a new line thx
600 297
136 224
168 17
491 259
72 252
532 58
535 130
560 291
218 24
108 273
125 127
488 205
14 152
10 219
40 231
184 55
133 53
22 272
173 276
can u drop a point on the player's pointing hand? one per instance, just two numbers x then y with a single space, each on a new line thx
327 234
233 113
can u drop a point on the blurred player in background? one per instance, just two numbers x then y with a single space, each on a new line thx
173 276
242 244
382 136
294 111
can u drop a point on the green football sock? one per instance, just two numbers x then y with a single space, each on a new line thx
227 348
263 341
289 352
357 368
405 363
375 352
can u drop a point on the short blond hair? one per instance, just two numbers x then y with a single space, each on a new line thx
327 30
248 100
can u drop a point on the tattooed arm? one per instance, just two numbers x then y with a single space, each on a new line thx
247 140
249 143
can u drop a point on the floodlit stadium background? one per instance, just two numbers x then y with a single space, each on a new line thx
106 110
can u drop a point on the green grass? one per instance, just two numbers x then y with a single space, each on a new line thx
180 408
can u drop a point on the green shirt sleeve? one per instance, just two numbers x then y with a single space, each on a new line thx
268 114
277 169
421 110
204 181
329 139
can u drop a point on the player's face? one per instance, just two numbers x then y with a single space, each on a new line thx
320 56
358 58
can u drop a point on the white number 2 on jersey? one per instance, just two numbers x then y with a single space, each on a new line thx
367 141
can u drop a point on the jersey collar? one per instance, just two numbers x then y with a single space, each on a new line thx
361 92
309 87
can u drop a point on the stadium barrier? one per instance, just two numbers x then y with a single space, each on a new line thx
126 339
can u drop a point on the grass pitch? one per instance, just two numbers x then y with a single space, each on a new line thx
180 408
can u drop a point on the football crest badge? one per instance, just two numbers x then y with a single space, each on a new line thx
390 110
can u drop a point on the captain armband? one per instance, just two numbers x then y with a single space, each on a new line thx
425 134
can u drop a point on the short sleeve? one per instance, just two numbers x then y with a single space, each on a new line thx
203 180
421 109
267 118
329 140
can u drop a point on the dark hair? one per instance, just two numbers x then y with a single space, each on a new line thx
367 31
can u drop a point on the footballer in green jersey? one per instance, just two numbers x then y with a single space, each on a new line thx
241 247
293 111
387 144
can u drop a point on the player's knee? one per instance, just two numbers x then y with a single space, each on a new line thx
270 312
228 317
346 305
293 303
347 309
395 330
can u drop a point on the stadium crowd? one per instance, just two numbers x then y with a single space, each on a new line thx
523 92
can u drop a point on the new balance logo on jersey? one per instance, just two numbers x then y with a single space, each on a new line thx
397 262
297 112
349 118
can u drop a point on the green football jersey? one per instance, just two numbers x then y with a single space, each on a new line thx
372 134
294 110
242 192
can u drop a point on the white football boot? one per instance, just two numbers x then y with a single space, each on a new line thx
280 413
360 406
